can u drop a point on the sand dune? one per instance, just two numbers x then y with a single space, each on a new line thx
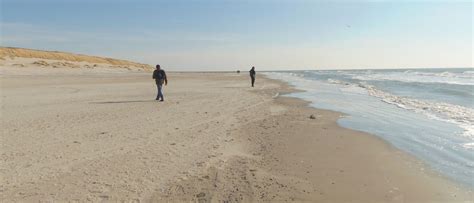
11 53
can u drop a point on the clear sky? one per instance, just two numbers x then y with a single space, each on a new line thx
236 34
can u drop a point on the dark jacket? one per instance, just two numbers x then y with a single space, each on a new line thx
160 76
252 73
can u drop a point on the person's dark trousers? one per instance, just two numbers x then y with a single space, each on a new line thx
160 91
253 80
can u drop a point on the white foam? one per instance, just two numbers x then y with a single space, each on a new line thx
464 78
469 145
459 115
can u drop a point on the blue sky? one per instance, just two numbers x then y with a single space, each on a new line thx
237 34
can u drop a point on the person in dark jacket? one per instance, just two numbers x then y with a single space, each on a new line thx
160 77
252 75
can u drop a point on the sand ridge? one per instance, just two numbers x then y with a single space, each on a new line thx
13 52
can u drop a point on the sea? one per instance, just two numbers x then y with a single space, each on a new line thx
428 113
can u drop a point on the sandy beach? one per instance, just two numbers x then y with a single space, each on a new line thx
101 136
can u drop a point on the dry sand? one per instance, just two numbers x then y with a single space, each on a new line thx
101 136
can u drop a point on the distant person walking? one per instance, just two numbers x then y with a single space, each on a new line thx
252 75
160 77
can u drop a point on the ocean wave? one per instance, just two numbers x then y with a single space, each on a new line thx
451 113
459 115
446 77
469 145
296 74
334 81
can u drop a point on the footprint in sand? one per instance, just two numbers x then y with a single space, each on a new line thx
202 197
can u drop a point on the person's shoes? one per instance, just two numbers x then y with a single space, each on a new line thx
157 99
161 100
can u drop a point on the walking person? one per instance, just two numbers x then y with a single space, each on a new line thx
160 77
252 75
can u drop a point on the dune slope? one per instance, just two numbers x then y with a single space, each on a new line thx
12 52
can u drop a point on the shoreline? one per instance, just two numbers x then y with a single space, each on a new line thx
422 163
103 138
405 154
